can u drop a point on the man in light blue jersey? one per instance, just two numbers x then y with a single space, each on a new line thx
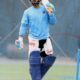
37 19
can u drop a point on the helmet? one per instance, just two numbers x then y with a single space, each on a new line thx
35 2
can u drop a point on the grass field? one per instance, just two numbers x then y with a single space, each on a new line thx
18 70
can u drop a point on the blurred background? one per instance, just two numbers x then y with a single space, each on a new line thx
65 34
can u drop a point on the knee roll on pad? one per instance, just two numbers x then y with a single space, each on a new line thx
48 61
34 61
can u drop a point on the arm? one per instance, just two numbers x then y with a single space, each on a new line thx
52 19
24 24
51 15
50 9
22 31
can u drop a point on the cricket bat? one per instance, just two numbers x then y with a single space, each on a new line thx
48 5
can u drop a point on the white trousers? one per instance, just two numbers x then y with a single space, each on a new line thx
34 46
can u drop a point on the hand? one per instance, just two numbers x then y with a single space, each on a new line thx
19 43
50 10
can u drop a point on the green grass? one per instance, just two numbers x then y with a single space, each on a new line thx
20 71
61 72
14 72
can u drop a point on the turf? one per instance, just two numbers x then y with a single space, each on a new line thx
19 71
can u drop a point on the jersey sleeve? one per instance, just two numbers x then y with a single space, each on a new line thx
24 24
52 19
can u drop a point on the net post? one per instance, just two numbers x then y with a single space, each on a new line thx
78 61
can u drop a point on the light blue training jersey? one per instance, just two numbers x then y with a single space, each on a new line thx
38 21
